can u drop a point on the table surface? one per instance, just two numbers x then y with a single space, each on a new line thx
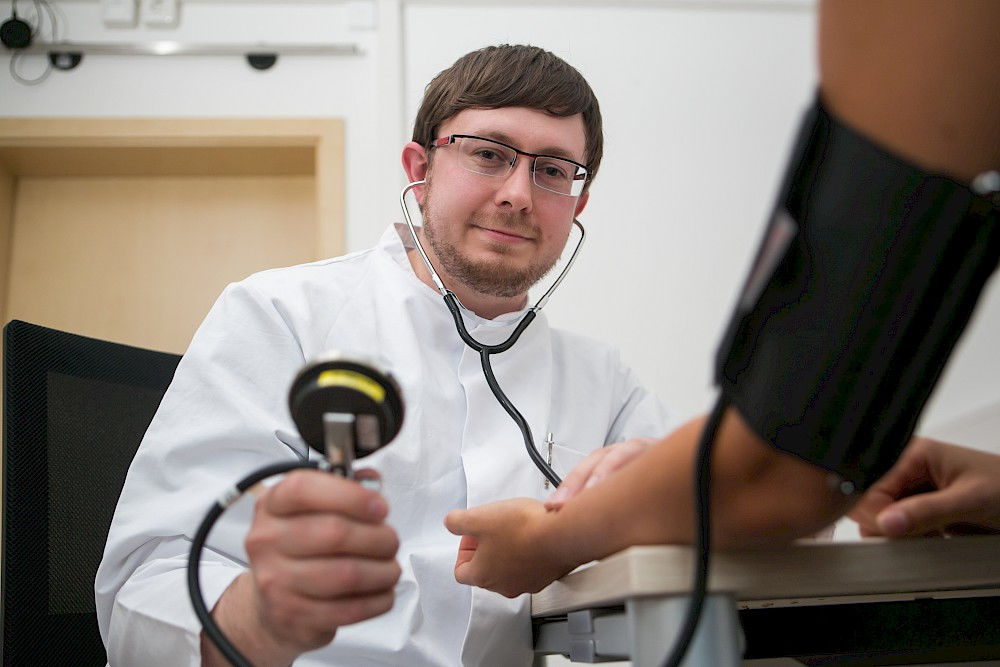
806 572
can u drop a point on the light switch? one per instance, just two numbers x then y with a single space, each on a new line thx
119 13
160 13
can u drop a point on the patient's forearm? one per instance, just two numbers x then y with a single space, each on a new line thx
759 496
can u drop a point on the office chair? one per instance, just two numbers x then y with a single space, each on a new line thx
74 412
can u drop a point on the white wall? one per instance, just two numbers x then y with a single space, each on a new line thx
699 107
700 101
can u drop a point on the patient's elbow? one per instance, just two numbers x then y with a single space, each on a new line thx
762 496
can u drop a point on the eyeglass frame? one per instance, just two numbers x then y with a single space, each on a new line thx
585 176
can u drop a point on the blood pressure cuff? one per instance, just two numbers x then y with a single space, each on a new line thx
867 274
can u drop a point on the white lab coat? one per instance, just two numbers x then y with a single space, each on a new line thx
225 415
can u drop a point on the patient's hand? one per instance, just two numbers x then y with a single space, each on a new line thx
599 464
933 489
501 547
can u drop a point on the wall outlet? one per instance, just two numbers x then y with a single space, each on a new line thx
160 13
119 13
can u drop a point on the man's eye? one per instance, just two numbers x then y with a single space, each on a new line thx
551 171
489 155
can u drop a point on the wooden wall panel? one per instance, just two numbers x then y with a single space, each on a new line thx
141 259
7 184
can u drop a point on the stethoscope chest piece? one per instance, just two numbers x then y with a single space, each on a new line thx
356 387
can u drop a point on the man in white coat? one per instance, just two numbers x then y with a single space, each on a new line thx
316 569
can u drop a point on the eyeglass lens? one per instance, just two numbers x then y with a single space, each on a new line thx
490 158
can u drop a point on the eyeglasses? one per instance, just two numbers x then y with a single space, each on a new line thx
492 158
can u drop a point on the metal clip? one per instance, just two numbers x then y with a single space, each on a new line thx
549 442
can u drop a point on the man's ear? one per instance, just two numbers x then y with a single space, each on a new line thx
581 203
415 164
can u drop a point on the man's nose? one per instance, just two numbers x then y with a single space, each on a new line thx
517 187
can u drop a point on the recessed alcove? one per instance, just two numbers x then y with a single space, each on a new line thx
127 229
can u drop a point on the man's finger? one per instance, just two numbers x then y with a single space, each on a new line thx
329 534
317 491
332 578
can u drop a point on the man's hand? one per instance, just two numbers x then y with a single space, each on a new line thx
933 489
599 464
321 556
499 550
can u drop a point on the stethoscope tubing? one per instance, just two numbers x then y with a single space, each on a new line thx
484 357
451 301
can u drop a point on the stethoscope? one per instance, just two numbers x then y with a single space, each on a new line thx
484 350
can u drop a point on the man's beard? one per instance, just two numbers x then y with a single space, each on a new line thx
494 277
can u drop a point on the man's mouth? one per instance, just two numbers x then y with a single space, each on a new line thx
504 235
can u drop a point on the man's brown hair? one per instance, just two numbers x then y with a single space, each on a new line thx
511 76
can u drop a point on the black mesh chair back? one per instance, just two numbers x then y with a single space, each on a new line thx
74 412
